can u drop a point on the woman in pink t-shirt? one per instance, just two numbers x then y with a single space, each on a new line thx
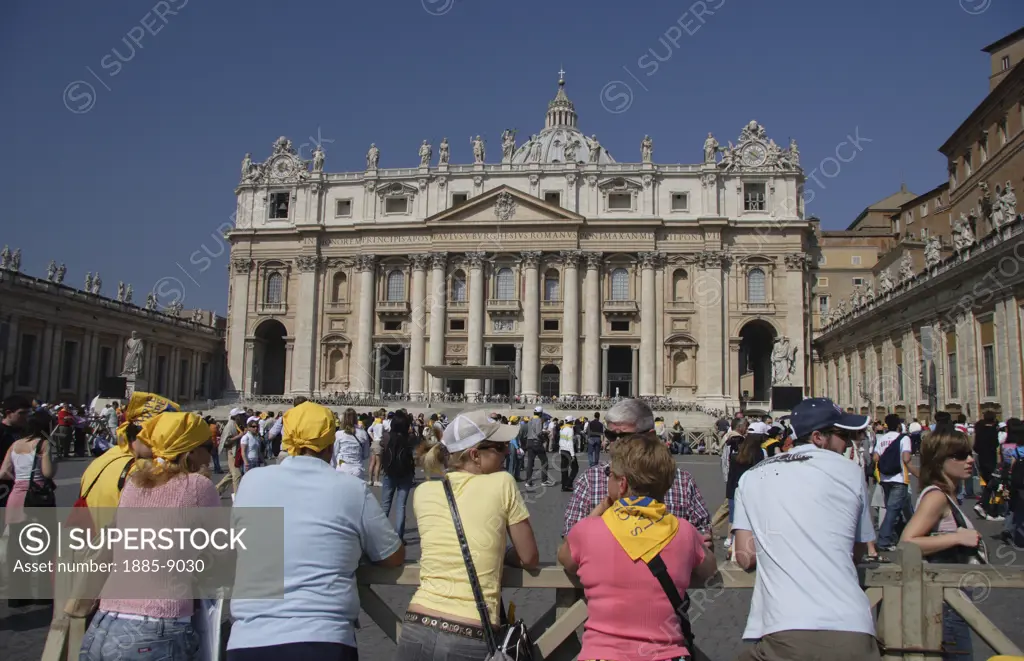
630 616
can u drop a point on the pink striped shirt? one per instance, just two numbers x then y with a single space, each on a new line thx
183 491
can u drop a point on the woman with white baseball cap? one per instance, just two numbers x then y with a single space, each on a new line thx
444 618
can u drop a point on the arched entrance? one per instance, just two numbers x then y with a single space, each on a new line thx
268 360
549 377
755 377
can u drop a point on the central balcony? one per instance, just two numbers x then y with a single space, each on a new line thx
551 306
620 308
392 308
754 308
271 308
503 306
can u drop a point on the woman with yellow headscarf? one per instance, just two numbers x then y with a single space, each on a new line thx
331 519
175 479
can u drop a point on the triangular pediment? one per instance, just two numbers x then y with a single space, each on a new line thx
504 204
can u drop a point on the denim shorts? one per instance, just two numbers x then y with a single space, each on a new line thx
113 638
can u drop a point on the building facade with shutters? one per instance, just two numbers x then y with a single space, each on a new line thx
581 274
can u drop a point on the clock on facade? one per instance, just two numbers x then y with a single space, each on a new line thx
754 155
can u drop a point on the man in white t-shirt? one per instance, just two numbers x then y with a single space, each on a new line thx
801 518
895 486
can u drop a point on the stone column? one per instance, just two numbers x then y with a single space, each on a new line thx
11 361
517 385
733 391
289 352
375 371
659 307
711 353
604 371
437 299
405 368
362 370
477 311
488 360
55 362
306 315
648 324
84 363
592 342
1012 384
418 331
248 357
570 323
531 325
636 371
45 359
239 369
796 265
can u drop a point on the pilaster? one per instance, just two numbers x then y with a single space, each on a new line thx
304 360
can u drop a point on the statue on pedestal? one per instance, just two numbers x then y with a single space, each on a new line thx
508 144
120 291
1006 205
783 361
885 283
710 148
932 252
595 148
426 151
128 294
97 284
479 151
372 157
88 282
535 147
570 151
51 271
133 356
61 272
963 237
646 149
5 258
906 267
16 260
150 301
318 159
442 152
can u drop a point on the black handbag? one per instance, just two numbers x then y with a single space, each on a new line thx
40 495
512 641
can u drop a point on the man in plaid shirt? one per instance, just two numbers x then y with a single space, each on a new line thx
591 488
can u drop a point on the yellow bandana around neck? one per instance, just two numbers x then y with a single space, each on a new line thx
642 526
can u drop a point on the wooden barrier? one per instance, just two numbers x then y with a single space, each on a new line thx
907 598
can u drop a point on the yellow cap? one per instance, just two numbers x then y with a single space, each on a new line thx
172 434
308 425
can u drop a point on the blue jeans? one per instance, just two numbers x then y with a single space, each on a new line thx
216 461
594 450
389 486
110 638
897 505
956 635
420 643
513 464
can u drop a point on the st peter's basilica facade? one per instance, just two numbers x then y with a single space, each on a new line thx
573 273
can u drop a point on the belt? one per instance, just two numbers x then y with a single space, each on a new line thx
145 618
446 626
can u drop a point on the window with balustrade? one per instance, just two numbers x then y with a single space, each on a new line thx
756 292
396 286
458 287
275 289
551 285
680 285
620 285
504 285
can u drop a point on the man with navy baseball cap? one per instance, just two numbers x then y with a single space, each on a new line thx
801 518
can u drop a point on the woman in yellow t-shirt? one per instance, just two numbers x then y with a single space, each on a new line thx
443 620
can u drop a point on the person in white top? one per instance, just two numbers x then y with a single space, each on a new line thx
349 453
567 453
251 444
376 431
801 518
895 486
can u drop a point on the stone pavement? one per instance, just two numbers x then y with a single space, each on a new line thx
718 616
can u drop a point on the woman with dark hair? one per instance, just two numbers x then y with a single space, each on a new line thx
350 453
29 461
940 528
398 464
742 457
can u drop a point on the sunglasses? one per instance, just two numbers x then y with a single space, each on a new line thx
962 455
497 447
616 435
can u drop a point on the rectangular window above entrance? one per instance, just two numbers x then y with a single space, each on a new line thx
342 208
551 324
620 202
754 197
553 197
457 324
459 198
620 326
396 205
392 325
279 203
680 202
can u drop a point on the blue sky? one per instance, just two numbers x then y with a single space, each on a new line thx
140 182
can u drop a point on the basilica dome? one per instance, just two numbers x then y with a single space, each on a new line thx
561 141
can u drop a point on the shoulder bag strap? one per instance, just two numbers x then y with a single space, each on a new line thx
35 460
660 571
474 582
981 553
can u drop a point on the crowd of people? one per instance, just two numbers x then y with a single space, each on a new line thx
804 498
